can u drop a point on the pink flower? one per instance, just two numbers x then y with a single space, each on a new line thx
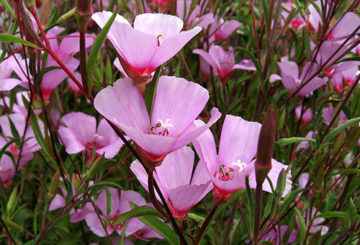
177 104
119 204
221 30
77 213
7 166
290 77
222 62
80 134
155 39
195 17
306 114
181 190
237 149
65 51
327 114
7 67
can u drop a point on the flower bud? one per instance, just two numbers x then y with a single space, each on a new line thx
54 184
265 146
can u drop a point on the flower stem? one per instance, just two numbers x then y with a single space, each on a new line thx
205 224
257 212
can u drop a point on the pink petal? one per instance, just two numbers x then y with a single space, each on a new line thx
158 24
70 141
7 84
95 226
123 104
274 78
57 202
172 45
176 169
239 139
346 25
207 57
289 69
178 100
82 126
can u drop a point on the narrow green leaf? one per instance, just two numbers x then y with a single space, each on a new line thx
251 201
302 226
331 214
293 140
66 16
12 39
97 45
337 130
54 14
103 184
345 171
137 212
160 227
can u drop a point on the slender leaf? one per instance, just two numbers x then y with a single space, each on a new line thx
12 39
293 140
137 212
337 130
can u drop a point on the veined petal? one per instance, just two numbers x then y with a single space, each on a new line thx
82 126
172 45
178 100
123 104
158 24
239 139
176 169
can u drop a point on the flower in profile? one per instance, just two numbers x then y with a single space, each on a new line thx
194 17
120 203
154 39
65 51
304 114
77 213
235 161
327 114
7 166
221 30
180 188
223 62
7 67
176 105
79 133
291 79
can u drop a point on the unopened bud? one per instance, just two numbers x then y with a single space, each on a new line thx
83 13
54 184
12 203
265 147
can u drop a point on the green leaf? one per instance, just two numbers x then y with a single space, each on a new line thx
7 6
53 17
103 184
302 226
251 201
331 214
160 227
12 39
337 130
38 135
97 45
151 90
137 212
253 58
345 171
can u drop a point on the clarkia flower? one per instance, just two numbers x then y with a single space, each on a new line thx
80 134
223 62
327 114
78 213
176 105
291 79
221 30
235 161
305 114
181 190
154 39
65 51
7 67
120 203
7 166
194 17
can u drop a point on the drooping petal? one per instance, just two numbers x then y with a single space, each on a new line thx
239 139
81 125
57 202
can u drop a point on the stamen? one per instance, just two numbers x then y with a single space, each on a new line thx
241 165
161 127
158 38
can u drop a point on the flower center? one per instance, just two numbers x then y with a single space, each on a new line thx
117 226
162 127
226 174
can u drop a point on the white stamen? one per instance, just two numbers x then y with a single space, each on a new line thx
165 124
241 165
